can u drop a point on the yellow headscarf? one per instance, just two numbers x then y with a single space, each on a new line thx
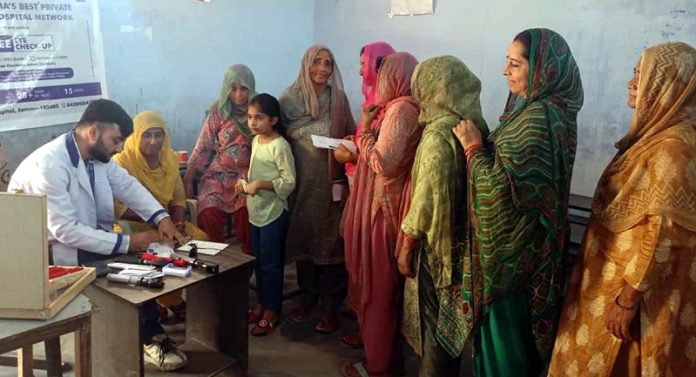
654 172
161 181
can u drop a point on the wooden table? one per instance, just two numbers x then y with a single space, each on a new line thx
216 320
21 334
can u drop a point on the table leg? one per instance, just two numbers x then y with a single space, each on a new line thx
116 346
83 350
54 360
217 313
25 361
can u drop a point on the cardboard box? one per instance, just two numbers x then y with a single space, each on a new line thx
25 289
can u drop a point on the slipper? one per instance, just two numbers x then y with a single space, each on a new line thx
252 317
327 324
353 341
300 314
358 370
264 328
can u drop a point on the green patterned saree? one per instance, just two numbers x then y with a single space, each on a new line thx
518 188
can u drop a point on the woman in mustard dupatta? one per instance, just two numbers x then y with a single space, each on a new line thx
631 307
518 185
148 156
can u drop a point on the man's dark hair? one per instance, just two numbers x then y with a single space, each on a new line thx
106 111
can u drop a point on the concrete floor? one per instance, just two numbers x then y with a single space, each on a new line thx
291 351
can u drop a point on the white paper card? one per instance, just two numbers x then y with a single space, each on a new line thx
330 143
205 247
337 191
410 7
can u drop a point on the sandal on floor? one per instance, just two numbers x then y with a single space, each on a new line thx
300 314
253 318
264 328
353 341
358 370
327 324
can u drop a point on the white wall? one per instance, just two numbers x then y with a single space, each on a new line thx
606 37
170 56
174 60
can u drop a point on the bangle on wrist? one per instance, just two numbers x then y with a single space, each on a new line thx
616 301
470 150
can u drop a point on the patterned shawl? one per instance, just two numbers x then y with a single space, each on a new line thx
235 74
447 92
133 160
665 115
518 192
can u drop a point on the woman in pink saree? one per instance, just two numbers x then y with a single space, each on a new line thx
371 56
388 147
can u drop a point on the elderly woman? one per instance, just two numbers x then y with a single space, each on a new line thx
630 310
433 230
222 153
148 156
388 147
315 104
518 188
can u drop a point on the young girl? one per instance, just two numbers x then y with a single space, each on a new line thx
270 182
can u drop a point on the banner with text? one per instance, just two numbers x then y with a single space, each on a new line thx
51 61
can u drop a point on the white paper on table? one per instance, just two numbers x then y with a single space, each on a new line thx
205 247
324 142
410 7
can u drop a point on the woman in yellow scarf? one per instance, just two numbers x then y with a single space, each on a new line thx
149 157
631 306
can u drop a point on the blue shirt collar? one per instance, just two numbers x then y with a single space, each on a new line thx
71 145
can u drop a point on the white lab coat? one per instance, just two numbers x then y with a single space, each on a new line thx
79 218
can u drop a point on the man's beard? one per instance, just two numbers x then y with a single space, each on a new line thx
100 153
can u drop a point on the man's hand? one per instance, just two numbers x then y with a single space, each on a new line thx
168 232
140 241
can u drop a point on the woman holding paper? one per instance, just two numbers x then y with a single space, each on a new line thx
388 147
315 104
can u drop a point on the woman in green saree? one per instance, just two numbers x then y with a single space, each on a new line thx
518 187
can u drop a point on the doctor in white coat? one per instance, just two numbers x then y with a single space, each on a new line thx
80 181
